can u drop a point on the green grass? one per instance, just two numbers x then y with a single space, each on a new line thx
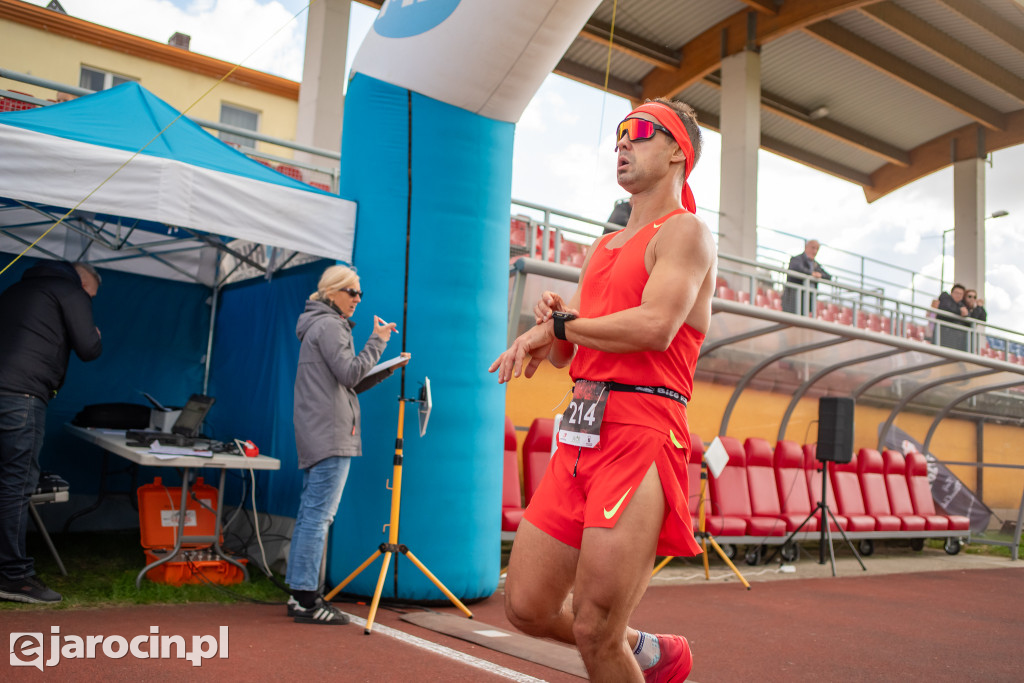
102 567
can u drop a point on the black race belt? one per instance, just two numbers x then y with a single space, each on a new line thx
651 391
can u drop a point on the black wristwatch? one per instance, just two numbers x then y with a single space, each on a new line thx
561 318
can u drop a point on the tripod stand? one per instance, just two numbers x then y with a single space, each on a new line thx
393 546
705 536
826 531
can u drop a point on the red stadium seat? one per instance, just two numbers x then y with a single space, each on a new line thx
895 466
731 495
764 495
849 499
290 171
714 523
725 292
536 455
511 490
921 493
791 483
872 488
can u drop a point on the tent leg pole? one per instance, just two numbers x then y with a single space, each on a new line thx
214 297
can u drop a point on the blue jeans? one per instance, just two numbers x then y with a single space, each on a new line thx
322 485
22 419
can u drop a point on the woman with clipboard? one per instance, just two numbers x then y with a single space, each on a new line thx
327 433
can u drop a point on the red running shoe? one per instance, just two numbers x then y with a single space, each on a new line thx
675 663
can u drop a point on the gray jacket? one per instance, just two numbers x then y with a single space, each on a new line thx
329 376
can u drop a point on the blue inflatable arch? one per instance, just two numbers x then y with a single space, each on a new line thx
427 156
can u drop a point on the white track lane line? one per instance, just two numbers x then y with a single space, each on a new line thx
444 651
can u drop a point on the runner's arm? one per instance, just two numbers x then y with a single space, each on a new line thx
683 256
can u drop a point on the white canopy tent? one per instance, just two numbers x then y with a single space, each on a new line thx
181 203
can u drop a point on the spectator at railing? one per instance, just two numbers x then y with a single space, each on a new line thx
798 299
975 306
952 302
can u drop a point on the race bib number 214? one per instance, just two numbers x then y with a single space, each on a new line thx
581 421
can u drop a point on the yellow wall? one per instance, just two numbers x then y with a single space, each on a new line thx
758 414
31 51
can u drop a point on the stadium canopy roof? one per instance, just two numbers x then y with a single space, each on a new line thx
876 93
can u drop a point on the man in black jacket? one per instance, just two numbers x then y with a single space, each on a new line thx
45 315
796 299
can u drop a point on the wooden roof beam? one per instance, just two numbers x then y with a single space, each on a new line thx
937 154
870 54
595 78
797 113
943 45
793 153
633 45
704 53
764 6
986 19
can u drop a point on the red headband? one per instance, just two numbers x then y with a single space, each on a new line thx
667 117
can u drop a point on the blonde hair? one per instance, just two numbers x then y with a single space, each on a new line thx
334 279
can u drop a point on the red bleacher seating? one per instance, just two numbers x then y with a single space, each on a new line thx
764 494
813 471
921 493
726 292
11 104
849 499
290 171
536 455
731 494
511 490
873 490
321 186
791 484
895 466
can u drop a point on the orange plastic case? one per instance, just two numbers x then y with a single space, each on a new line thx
158 525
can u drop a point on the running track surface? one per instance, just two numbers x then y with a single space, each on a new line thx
963 625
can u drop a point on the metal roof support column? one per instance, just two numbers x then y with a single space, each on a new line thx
745 380
741 139
969 220
920 390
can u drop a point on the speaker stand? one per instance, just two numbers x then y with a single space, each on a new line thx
825 513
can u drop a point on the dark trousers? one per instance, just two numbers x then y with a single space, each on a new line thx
22 419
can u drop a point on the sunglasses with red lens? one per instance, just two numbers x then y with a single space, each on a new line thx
638 129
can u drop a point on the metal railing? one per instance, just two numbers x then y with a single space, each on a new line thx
864 271
866 307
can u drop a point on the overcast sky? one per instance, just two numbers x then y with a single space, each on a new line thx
563 154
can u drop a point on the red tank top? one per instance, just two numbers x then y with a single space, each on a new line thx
614 281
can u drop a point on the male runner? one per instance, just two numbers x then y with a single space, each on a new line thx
615 492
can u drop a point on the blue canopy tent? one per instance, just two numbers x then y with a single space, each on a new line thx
187 215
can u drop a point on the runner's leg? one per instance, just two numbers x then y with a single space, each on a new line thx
612 574
541 571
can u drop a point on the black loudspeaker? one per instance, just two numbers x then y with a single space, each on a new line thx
835 429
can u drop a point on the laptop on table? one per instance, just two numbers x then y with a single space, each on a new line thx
185 431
